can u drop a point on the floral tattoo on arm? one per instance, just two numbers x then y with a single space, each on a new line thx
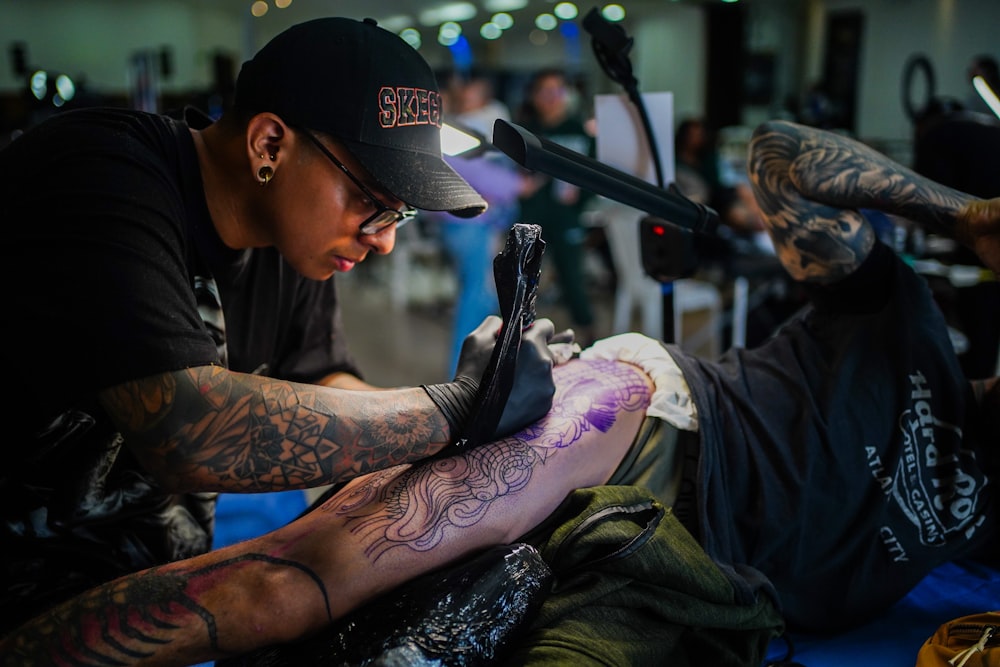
265 435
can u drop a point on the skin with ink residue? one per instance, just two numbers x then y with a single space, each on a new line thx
462 488
376 532
456 492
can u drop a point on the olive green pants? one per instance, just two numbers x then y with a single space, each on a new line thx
632 586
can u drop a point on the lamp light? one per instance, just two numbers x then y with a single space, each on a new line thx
988 94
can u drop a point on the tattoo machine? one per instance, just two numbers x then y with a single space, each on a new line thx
516 270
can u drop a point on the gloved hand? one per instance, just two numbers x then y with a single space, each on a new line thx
533 389
477 348
457 399
531 397
563 346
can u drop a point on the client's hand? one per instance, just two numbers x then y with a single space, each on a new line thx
978 227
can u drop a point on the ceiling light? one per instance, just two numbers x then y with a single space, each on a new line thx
546 22
258 8
411 37
39 84
452 11
503 20
613 12
450 29
449 33
490 30
282 4
504 5
396 22
65 87
567 11
538 37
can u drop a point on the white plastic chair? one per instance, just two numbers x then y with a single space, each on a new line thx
635 289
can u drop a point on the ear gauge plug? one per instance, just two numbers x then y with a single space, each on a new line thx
265 174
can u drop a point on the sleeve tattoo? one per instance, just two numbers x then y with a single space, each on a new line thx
265 437
811 186
409 507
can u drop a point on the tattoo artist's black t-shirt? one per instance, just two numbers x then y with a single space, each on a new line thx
108 255
839 462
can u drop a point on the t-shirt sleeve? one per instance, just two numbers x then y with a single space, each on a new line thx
99 279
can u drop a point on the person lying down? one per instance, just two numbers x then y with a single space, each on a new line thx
808 483
622 430
375 533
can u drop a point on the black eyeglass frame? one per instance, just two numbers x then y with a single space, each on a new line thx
384 217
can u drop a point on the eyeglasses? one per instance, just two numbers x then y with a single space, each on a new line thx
383 216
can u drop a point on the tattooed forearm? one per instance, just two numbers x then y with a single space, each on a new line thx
811 185
135 618
245 596
236 432
416 507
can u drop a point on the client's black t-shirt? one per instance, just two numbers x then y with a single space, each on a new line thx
837 466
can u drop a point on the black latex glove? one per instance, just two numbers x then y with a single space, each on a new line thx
531 397
457 398
512 390
477 348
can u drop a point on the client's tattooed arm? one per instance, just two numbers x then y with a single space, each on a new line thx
811 184
375 533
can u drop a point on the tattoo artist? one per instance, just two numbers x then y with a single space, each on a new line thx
178 330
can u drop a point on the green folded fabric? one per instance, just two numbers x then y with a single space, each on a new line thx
632 587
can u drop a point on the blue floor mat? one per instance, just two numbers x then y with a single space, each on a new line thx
893 639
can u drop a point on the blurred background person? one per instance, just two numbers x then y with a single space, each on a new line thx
700 175
551 110
471 244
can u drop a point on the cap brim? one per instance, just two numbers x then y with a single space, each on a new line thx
422 181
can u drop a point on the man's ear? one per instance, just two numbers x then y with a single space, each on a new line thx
267 134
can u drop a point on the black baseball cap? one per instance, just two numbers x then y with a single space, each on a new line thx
370 90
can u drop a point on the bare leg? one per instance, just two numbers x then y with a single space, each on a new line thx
380 530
